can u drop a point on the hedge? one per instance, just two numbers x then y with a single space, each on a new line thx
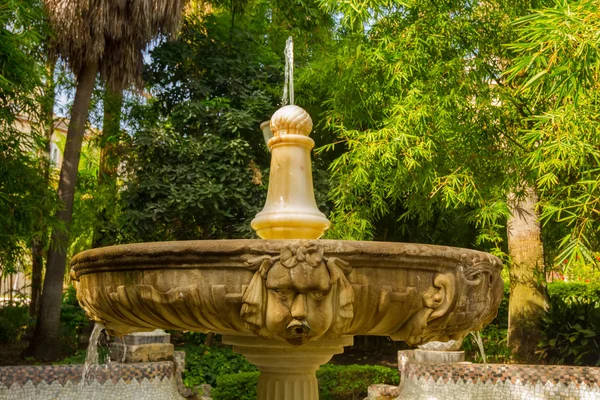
336 382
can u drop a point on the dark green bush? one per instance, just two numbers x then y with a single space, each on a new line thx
349 382
14 319
73 320
236 386
336 382
494 338
571 327
206 364
571 331
568 291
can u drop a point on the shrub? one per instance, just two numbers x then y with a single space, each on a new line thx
14 319
236 386
569 327
494 338
336 382
569 291
349 382
73 320
205 364
571 331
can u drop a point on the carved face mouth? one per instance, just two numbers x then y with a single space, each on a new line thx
297 332
298 328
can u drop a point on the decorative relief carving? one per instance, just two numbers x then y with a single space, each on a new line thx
458 302
299 295
389 296
437 300
291 291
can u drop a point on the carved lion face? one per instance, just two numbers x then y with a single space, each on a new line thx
299 297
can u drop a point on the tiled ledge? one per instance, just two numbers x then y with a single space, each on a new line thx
466 381
62 374
496 373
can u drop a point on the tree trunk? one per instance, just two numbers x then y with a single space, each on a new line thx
528 300
38 245
37 266
46 342
109 163
210 339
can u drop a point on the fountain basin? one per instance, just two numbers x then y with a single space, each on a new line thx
411 292
289 305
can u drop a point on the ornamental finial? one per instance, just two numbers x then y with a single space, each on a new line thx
291 120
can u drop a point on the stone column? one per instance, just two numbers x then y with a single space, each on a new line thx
287 372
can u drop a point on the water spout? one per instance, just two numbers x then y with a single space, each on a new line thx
91 358
288 84
477 337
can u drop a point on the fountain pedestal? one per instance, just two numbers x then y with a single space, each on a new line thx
287 371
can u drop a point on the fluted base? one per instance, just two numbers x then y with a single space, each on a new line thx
287 372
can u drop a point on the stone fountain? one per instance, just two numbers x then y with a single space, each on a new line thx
288 302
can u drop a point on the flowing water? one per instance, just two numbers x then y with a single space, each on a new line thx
91 358
124 349
479 341
288 85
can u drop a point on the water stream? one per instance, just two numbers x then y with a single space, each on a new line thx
124 350
479 341
91 358
288 84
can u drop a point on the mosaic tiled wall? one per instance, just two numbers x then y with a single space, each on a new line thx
496 381
147 381
466 381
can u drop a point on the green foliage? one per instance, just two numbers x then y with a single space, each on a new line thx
207 364
570 329
73 320
197 162
575 291
494 337
76 358
336 382
187 188
21 33
197 165
341 382
26 203
236 387
558 65
14 320
571 332
424 132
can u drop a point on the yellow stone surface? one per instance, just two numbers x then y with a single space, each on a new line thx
290 211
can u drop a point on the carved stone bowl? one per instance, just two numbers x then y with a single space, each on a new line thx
292 296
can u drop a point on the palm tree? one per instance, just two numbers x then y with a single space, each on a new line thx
528 299
106 37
